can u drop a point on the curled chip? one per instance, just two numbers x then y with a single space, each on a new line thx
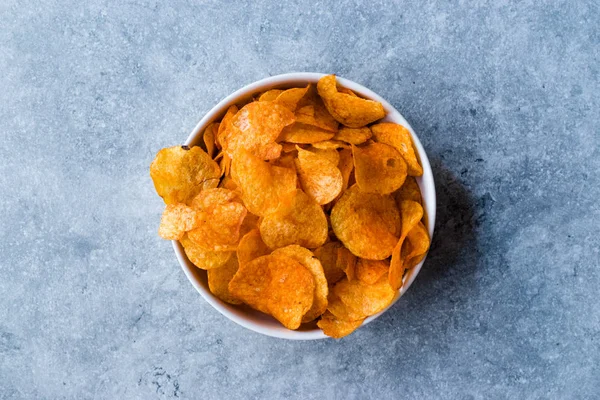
176 220
204 259
335 327
353 135
370 271
225 126
255 128
341 310
264 187
349 110
411 213
222 217
276 285
346 261
363 299
379 168
179 173
398 137
312 111
367 223
346 166
303 133
219 278
347 91
270 95
331 144
251 246
408 191
225 165
209 137
327 255
418 239
330 155
290 97
320 178
288 147
307 259
303 223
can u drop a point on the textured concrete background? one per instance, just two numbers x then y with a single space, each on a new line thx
504 96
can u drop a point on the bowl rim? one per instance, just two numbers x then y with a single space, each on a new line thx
290 80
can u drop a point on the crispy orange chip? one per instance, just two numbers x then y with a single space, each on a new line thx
367 223
330 155
250 223
335 327
398 137
349 110
312 111
251 246
346 261
346 166
303 223
353 135
408 191
379 168
225 125
219 278
176 220
331 144
264 187
347 91
341 310
290 97
327 255
307 259
419 244
411 213
270 95
364 299
209 137
204 259
369 271
179 173
320 178
276 285
302 133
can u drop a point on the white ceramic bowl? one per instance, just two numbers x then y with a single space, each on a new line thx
255 320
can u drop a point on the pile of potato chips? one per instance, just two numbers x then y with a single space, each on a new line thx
299 205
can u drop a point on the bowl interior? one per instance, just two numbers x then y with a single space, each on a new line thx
246 316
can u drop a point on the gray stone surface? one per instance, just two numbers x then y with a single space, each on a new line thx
504 96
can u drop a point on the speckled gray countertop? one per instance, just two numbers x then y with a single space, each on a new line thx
504 96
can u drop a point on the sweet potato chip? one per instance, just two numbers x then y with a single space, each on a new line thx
411 213
176 220
209 137
353 135
307 259
364 299
349 110
270 95
251 246
264 187
303 223
419 243
327 255
367 223
399 138
302 133
290 97
319 178
331 144
276 285
335 327
179 173
346 261
225 125
379 168
408 191
369 271
312 111
219 278
204 259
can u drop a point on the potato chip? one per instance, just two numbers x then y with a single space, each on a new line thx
225 125
225 165
209 137
349 110
341 310
353 135
319 178
264 187
176 220
369 271
307 259
228 183
222 217
302 133
219 278
411 213
327 255
330 155
346 166
288 147
255 128
379 168
179 173
303 223
346 261
204 259
290 97
286 161
251 246
419 241
347 91
408 191
367 223
270 95
335 327
312 111
399 138
276 285
364 299
331 144
250 223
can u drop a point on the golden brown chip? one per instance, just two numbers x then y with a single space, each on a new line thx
307 259
353 135
270 95
347 91
276 285
399 138
303 223
255 128
250 223
312 111
346 261
367 223
330 155
408 191
176 220
228 183
209 137
225 125
369 271
264 187
327 255
204 259
364 299
288 147
379 168
319 178
302 133
341 310
225 165
290 97
331 144
345 165
349 110
419 243
179 173
335 327
251 246
219 278
411 213
222 217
